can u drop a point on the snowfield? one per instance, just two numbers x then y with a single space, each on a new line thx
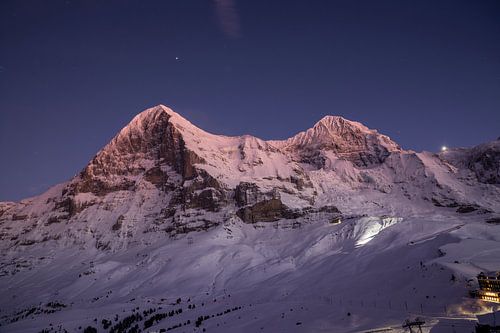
334 230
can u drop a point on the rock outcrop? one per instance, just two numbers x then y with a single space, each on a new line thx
266 211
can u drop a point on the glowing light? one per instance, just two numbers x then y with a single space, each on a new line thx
489 293
444 148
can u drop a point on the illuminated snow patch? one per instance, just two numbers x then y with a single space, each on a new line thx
367 228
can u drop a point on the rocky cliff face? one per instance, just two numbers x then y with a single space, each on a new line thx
148 145
483 160
161 175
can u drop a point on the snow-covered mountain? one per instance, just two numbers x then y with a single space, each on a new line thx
133 212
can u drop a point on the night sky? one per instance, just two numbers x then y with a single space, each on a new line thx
72 73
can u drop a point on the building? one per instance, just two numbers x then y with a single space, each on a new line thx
489 287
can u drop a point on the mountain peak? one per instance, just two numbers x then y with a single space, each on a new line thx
347 139
339 123
157 135
155 113
160 136
156 120
336 130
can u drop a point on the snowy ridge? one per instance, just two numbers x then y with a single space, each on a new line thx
169 209
162 161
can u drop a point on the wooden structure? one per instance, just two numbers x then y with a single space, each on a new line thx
414 324
489 287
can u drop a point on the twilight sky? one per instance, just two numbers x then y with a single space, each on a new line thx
72 73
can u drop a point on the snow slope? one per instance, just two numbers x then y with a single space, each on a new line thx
335 229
